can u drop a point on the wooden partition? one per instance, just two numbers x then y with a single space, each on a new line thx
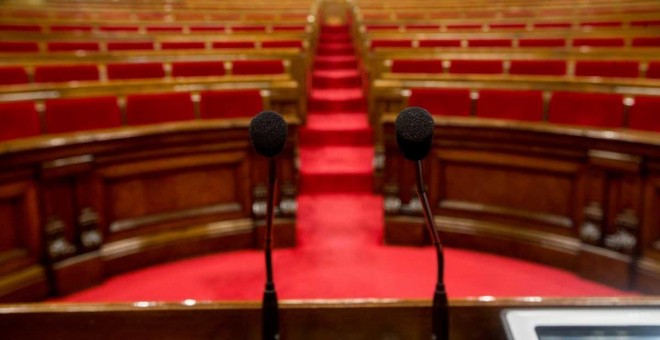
77 208
477 318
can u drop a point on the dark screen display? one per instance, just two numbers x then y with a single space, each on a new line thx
598 332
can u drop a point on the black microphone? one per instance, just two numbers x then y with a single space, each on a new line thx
414 135
268 132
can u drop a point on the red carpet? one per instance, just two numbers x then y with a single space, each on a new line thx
340 252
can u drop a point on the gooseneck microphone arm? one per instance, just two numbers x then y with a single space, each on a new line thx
270 314
440 310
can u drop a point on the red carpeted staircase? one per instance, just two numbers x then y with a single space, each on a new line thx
340 253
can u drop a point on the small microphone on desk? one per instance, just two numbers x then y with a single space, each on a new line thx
268 132
414 134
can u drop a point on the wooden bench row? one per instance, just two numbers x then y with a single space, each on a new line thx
103 27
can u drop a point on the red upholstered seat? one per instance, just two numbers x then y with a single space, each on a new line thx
442 102
464 27
18 46
597 24
282 44
248 28
590 109
538 67
598 42
288 28
422 27
416 66
19 120
654 70
646 42
391 43
130 45
19 28
198 68
72 46
542 42
10 75
601 68
476 66
645 23
510 104
233 44
490 42
381 27
135 70
62 73
79 114
257 67
507 26
440 43
165 28
645 114
70 28
182 45
552 25
231 103
207 28
155 108
115 28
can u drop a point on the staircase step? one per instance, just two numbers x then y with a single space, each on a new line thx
334 37
336 169
336 78
329 62
337 100
335 49
334 29
344 136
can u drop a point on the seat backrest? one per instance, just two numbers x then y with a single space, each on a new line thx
11 75
607 68
653 70
416 66
245 67
119 28
153 108
391 43
645 114
165 28
442 102
19 120
598 42
79 114
538 67
19 28
510 104
439 43
490 42
646 42
64 46
248 28
198 68
70 28
135 71
130 45
63 73
18 46
233 44
542 42
206 28
230 103
282 44
589 109
476 66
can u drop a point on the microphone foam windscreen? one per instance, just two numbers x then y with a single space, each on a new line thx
414 132
268 132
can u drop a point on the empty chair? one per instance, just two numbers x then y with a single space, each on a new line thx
476 66
552 25
645 23
542 42
182 45
442 102
70 28
439 43
288 28
115 28
590 109
135 71
206 28
646 42
645 114
18 46
464 27
538 67
416 66
507 26
20 28
156 108
601 24
282 44
245 67
653 71
230 103
510 104
64 46
12 75
165 28
600 68
19 120
390 43
62 73
198 68
598 42
490 42
130 45
248 28
79 114
233 44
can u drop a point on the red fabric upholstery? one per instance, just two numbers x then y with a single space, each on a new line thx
155 108
207 28
70 28
288 28
541 42
79 114
442 102
602 24
440 43
18 46
490 42
646 42
73 46
10 75
233 44
391 43
62 73
590 109
645 114
598 42
257 67
598 68
20 28
538 67
416 66
113 28
198 68
464 27
282 44
422 27
654 70
229 104
135 71
130 45
165 28
249 28
182 45
507 26
645 23
476 66
382 27
19 120
508 104
552 25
